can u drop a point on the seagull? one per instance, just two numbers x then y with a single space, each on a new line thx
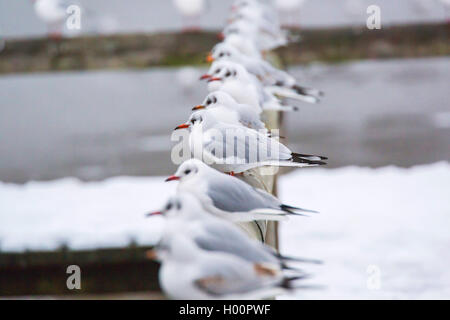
241 42
185 215
242 88
228 197
264 22
263 70
186 77
254 11
191 10
245 88
188 272
290 9
224 107
235 148
264 39
52 13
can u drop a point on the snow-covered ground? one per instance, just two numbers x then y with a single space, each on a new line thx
382 233
387 227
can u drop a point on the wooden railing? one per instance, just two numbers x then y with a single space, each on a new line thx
175 49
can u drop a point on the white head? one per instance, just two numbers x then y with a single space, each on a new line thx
225 51
181 206
177 247
200 118
241 27
215 99
189 169
223 71
239 4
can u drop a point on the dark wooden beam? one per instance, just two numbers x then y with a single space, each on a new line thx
102 271
175 49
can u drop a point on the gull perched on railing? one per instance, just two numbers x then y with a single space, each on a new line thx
228 197
224 107
245 88
188 272
263 70
235 148
185 215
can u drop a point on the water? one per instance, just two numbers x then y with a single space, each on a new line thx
17 18
94 125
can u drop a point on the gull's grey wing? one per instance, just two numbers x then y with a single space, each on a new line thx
225 237
233 195
279 76
250 118
240 145
228 275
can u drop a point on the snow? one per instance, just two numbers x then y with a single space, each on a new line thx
394 220
391 220
45 215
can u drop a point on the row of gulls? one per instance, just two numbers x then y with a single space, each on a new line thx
203 253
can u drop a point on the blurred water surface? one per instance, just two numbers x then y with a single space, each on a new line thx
17 18
94 125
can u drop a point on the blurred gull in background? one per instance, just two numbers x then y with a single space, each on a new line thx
355 10
183 214
187 78
446 4
188 272
191 10
290 11
53 14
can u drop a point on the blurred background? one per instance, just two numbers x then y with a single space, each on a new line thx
64 130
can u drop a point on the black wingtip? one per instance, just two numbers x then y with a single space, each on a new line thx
294 210
310 92
287 283
300 155
286 267
296 259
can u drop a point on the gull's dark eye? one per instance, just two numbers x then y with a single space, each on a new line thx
221 55
208 102
228 74
193 121
187 171
214 99
218 70
169 206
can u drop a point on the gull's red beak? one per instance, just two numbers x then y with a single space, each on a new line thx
205 76
172 178
199 107
220 36
182 126
209 58
152 214
214 79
